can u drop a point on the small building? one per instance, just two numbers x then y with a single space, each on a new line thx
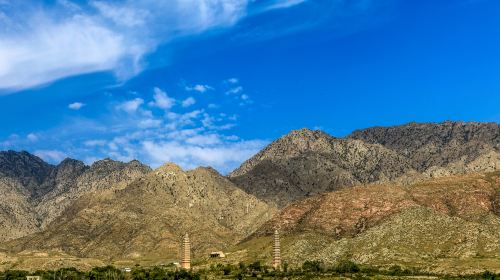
218 254
127 269
33 278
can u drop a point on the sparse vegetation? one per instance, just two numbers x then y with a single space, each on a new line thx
314 269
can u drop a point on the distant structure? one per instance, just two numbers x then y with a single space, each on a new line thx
33 277
186 250
218 254
276 250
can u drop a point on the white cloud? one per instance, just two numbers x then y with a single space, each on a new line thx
188 102
284 4
122 15
162 100
181 120
149 123
245 99
234 90
199 88
210 139
32 137
43 43
76 106
94 143
222 156
131 106
129 130
232 81
51 50
54 156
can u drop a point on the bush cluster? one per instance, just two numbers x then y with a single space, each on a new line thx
104 273
256 270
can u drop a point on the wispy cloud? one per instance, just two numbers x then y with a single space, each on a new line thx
232 81
42 43
234 90
220 156
188 102
150 127
130 106
51 155
162 100
283 4
199 88
32 137
76 105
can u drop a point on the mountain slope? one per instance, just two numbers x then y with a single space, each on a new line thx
148 217
34 193
443 225
304 162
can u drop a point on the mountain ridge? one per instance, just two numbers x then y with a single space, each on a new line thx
340 190
31 199
281 172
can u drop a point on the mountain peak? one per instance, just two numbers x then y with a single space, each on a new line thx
29 170
306 133
207 169
170 167
69 162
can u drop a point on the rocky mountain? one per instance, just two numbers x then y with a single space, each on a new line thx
148 217
34 192
305 162
443 225
29 172
451 147
411 194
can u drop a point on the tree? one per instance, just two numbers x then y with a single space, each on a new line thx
312 266
347 266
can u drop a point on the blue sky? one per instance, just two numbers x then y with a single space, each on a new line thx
211 82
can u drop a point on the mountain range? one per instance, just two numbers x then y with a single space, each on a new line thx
306 162
372 196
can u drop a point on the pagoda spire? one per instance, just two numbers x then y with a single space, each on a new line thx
186 253
276 250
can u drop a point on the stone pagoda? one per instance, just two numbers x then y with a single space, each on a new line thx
186 253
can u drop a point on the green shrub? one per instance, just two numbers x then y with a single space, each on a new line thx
312 266
256 266
347 266
15 275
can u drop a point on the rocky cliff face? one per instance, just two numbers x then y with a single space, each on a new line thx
306 162
148 217
34 192
28 172
456 146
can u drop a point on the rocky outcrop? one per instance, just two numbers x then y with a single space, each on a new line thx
305 162
453 145
28 172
